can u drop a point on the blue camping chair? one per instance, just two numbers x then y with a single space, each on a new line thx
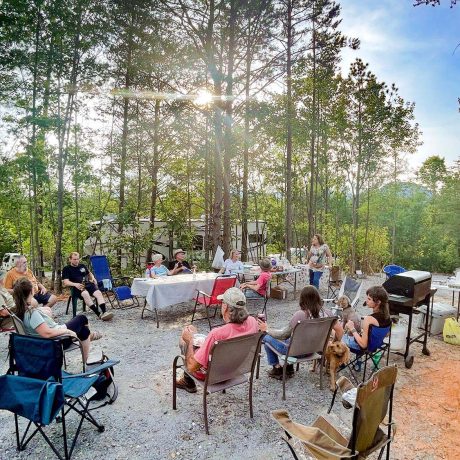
392 270
107 284
376 349
37 389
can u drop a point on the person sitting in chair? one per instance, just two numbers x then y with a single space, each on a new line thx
233 264
78 276
179 264
377 300
258 288
238 322
6 300
311 306
37 324
41 295
158 269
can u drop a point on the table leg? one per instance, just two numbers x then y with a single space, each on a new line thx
425 350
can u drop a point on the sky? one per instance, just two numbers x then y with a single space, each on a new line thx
415 48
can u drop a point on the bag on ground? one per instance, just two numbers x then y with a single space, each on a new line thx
451 331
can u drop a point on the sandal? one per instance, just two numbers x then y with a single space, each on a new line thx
95 335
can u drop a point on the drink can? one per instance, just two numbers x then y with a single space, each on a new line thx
262 317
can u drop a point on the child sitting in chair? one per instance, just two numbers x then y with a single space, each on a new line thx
348 313
258 288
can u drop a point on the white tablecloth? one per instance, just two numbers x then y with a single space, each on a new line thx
171 290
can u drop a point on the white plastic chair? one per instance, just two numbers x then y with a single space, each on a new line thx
351 288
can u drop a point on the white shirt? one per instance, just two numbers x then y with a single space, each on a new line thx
233 267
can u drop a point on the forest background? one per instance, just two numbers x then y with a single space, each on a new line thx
232 110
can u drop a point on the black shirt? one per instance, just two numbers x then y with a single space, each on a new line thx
184 263
75 274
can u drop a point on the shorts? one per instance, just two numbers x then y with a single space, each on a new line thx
90 287
42 298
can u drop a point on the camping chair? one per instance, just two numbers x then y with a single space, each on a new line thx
76 344
230 363
74 298
392 270
376 349
37 389
308 342
221 284
334 281
370 432
107 284
262 298
352 289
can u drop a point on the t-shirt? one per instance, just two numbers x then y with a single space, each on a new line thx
34 317
75 274
159 271
13 275
233 267
301 315
227 331
184 263
318 255
262 281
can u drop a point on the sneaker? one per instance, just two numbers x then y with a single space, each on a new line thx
186 383
276 373
106 316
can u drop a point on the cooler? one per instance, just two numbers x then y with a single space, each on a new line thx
439 313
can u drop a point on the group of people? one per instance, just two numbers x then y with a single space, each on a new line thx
238 322
351 331
22 294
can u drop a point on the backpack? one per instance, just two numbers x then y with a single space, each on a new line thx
105 386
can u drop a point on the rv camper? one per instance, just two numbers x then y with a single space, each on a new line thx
103 233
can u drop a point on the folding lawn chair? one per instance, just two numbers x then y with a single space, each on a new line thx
308 342
349 287
221 284
107 284
261 298
370 431
76 344
37 389
334 281
231 362
376 350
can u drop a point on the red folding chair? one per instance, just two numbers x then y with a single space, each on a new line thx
221 284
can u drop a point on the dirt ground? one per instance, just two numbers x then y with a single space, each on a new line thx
142 425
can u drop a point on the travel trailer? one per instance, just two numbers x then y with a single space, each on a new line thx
103 233
9 260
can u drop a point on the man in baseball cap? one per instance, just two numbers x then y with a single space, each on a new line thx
238 322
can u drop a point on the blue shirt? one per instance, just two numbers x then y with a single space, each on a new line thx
159 271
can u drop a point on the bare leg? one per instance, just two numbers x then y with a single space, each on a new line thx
52 300
87 298
85 344
99 297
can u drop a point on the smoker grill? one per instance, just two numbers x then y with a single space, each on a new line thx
406 292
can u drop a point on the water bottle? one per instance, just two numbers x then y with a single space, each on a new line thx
194 272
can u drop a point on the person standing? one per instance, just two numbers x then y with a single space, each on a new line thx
318 256
78 276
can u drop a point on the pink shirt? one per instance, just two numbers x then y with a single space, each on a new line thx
262 281
227 331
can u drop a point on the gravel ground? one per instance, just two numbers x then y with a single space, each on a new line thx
141 423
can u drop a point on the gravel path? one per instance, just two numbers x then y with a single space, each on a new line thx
142 425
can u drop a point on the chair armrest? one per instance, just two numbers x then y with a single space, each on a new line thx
203 293
94 370
328 300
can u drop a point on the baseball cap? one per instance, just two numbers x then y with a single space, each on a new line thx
233 297
177 251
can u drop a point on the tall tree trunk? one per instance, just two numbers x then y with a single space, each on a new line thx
228 152
154 175
289 119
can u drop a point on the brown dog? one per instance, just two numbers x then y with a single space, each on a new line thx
337 353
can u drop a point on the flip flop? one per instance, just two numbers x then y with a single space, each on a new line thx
95 335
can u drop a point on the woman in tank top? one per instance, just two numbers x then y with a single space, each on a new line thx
377 300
